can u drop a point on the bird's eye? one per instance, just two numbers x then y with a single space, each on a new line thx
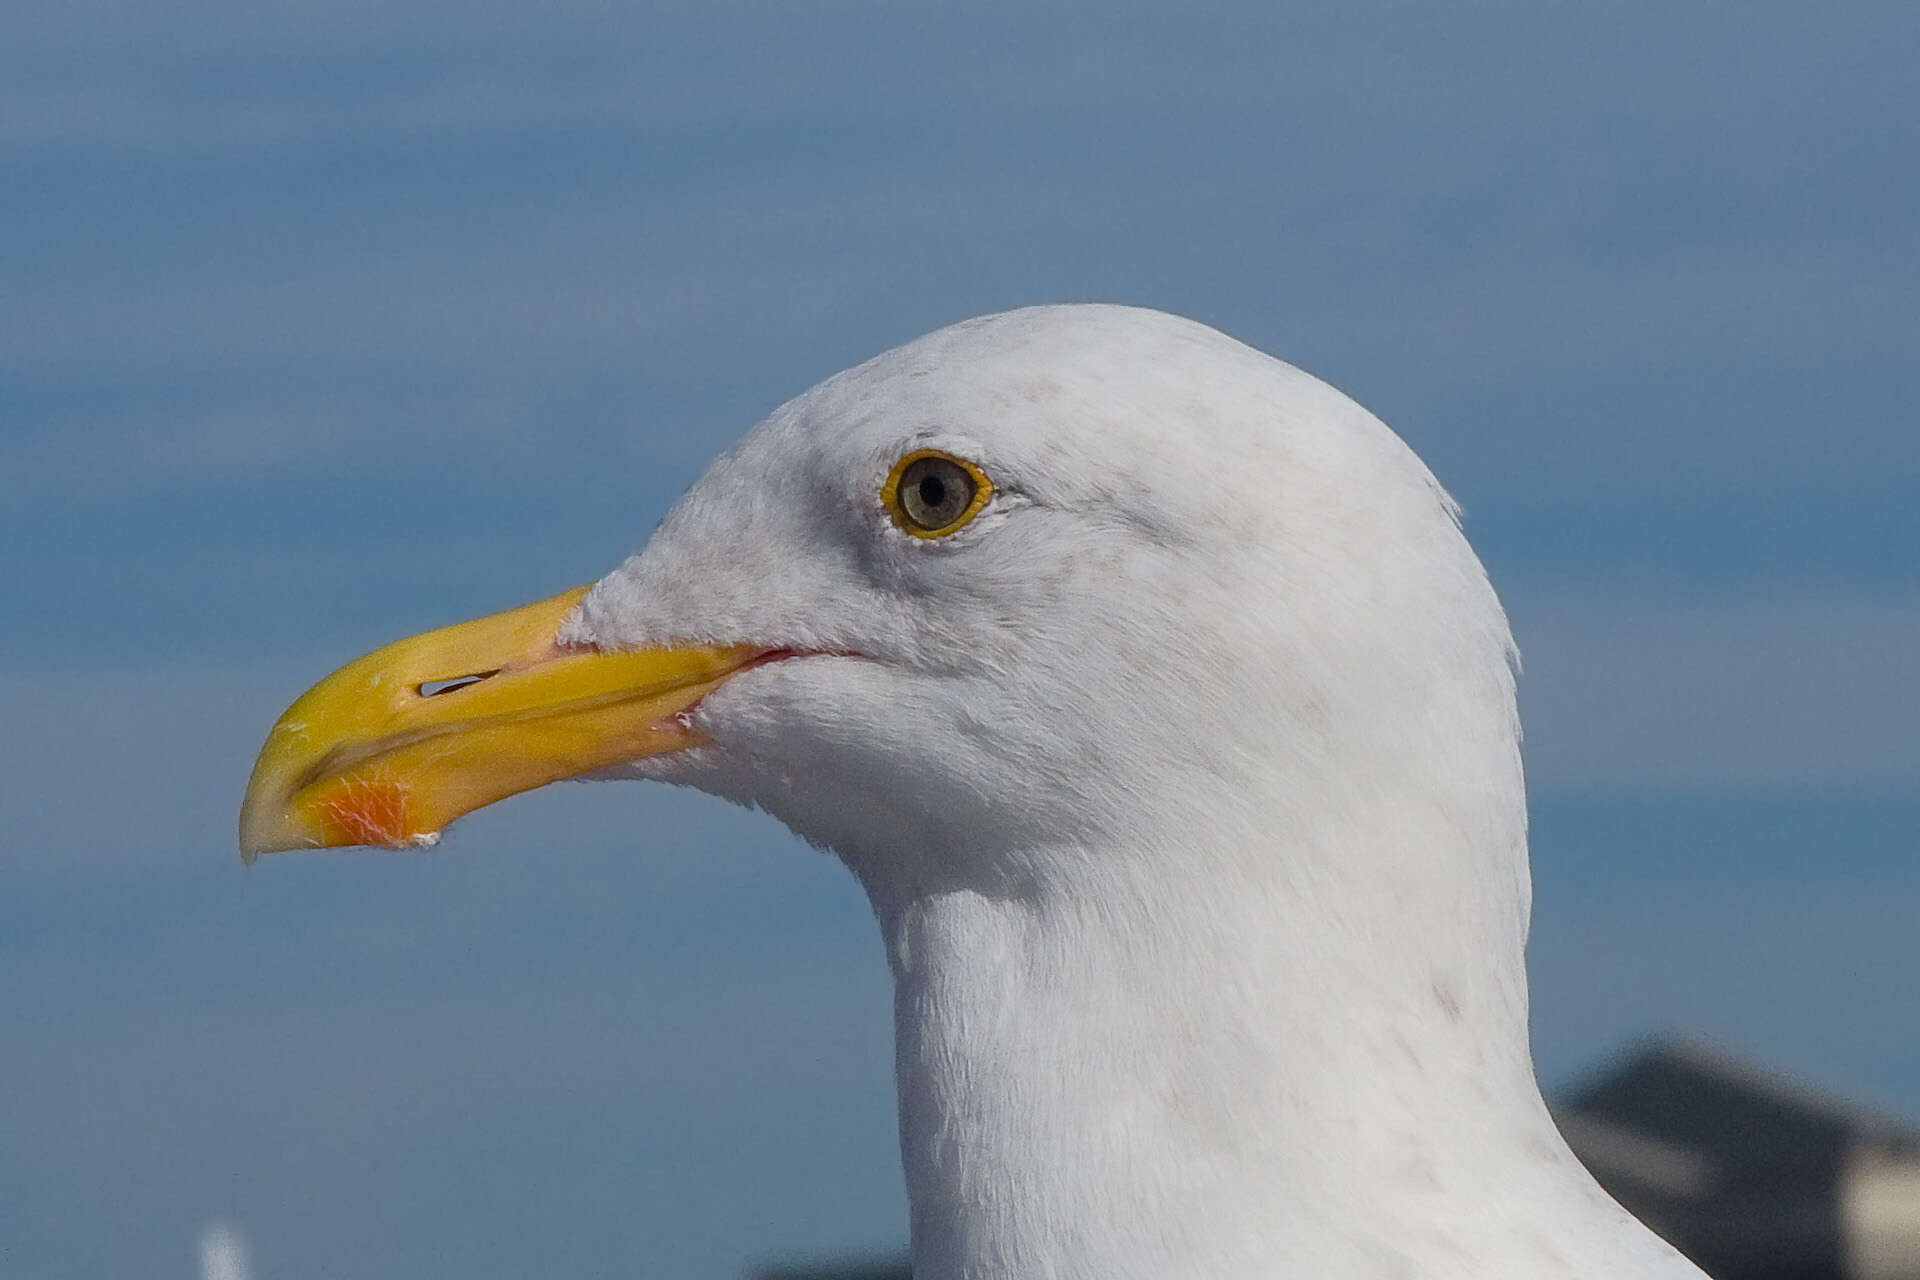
931 494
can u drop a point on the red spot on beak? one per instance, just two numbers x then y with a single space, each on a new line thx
367 811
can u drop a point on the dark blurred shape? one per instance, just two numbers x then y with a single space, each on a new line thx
853 1269
1753 1176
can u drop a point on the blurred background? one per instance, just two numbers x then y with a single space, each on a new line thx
322 324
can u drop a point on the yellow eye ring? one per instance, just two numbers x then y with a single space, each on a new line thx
931 494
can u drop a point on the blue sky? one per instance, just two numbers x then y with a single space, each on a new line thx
323 324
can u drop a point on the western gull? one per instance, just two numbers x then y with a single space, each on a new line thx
1154 696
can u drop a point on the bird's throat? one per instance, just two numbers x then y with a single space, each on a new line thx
1142 1087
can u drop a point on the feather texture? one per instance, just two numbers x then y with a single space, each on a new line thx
1185 783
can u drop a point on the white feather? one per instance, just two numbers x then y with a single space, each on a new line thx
1185 784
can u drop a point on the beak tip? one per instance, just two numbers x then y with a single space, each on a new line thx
265 833
269 828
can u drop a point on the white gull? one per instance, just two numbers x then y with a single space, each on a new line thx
1153 694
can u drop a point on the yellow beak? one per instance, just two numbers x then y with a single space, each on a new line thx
392 747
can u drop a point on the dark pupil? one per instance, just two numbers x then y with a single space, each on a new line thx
935 492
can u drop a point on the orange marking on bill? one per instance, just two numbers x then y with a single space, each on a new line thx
367 811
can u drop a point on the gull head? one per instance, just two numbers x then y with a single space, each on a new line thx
1153 693
1064 578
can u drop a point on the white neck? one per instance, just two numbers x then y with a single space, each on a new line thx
1276 1078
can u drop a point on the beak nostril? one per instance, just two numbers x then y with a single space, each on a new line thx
434 688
